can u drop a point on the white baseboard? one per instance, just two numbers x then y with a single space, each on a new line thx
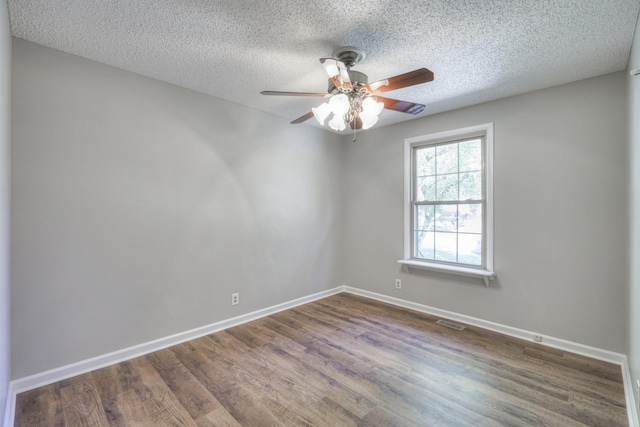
584 350
632 410
58 374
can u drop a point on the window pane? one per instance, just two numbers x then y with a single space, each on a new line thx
470 249
446 217
447 187
446 247
426 188
471 186
470 218
447 158
426 161
424 244
424 218
448 197
471 155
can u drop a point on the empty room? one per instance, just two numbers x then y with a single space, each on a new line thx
289 213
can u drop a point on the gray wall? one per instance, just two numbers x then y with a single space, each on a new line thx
560 214
634 211
138 208
5 135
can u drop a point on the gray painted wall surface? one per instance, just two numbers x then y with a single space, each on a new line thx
560 214
5 136
634 212
138 207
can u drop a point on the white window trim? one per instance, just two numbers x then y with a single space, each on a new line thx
486 273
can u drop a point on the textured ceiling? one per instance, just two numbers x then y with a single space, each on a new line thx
479 50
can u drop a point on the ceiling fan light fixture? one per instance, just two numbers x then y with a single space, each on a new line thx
337 123
368 119
339 104
371 105
370 110
321 112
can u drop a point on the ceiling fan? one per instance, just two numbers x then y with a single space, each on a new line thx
352 99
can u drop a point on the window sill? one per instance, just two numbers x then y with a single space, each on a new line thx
485 275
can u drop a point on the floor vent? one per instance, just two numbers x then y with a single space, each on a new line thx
450 325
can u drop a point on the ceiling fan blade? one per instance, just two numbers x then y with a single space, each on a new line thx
338 73
416 77
303 118
402 106
274 92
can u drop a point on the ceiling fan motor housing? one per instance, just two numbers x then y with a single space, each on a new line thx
349 55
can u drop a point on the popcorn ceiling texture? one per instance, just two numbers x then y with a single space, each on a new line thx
479 50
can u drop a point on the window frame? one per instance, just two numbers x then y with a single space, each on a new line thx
484 271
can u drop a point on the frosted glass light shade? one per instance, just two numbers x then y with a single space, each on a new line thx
337 123
370 105
321 112
370 111
368 119
339 104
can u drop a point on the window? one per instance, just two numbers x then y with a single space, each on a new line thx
449 203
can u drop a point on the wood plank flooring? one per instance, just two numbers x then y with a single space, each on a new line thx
341 361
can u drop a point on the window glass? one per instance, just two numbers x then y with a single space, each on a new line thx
447 198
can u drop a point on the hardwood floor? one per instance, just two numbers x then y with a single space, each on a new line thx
341 361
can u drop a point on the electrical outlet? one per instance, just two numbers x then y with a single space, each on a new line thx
398 284
537 338
235 299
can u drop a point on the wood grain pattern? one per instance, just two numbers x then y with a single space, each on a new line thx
415 77
341 361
